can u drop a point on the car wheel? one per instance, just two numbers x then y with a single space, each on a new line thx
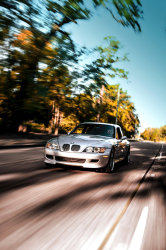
127 157
111 163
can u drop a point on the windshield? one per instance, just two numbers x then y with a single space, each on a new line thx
95 129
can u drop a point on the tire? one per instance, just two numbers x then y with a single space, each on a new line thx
110 168
127 157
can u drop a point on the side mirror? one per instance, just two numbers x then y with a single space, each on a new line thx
124 137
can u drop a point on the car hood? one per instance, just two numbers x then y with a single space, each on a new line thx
86 140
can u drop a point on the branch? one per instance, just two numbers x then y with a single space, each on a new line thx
118 20
57 28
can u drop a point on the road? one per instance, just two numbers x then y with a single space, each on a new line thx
82 209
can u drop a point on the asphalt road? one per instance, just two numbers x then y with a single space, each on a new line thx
76 209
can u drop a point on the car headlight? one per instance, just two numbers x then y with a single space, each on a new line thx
52 145
95 150
89 149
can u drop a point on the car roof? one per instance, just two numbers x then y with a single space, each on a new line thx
100 123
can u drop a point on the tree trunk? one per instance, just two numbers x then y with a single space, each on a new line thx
57 120
100 102
52 119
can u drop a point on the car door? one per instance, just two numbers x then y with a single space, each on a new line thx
117 146
123 144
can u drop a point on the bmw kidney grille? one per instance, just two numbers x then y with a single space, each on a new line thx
75 147
66 147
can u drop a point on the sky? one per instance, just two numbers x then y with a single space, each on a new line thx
147 57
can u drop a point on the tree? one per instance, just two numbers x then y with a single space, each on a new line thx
36 25
83 108
105 64
155 134
127 118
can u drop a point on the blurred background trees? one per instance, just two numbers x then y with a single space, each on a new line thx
41 79
155 134
86 108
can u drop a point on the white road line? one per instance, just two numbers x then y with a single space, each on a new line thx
109 243
139 232
160 156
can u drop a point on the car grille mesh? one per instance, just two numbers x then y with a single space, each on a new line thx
66 147
75 147
67 159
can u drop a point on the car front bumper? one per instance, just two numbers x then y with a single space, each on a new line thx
80 159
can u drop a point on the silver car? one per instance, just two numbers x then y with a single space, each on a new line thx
89 145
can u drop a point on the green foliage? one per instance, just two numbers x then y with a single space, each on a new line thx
68 123
108 57
35 127
37 51
84 109
127 118
129 12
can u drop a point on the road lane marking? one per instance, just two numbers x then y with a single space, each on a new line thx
139 232
115 224
160 156
111 239
7 177
21 161
101 247
13 150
